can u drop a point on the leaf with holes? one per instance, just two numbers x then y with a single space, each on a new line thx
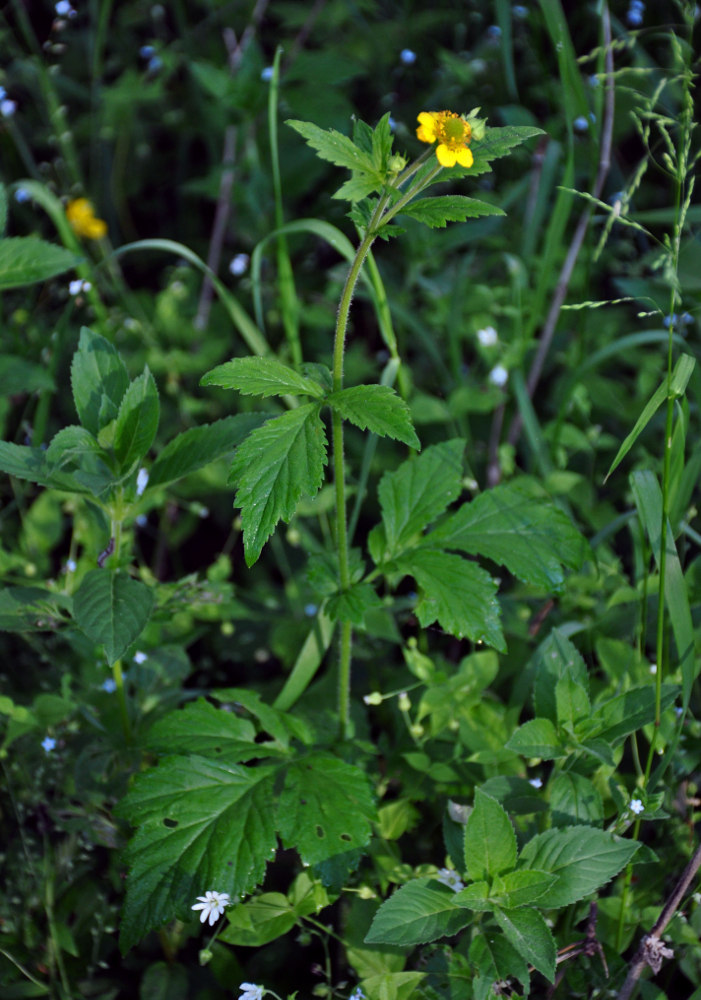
201 825
112 609
325 808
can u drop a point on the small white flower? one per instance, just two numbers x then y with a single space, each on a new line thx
653 668
498 376
110 685
48 744
536 782
8 108
636 806
487 337
213 905
71 566
140 657
78 286
249 991
141 481
450 878
239 264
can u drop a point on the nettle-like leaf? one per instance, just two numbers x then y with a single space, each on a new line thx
423 910
198 446
353 604
529 934
204 823
325 807
254 376
417 493
31 376
490 840
31 464
529 535
437 212
377 408
495 958
137 421
99 380
555 658
456 593
582 857
201 824
112 609
24 260
343 152
537 738
274 467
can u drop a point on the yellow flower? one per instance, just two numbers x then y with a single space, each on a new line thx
83 221
452 133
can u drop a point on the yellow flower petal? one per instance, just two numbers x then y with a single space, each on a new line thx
83 221
465 157
426 131
446 157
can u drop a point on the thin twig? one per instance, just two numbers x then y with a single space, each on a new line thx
221 215
578 238
651 951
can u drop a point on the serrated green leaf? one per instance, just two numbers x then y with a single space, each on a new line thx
352 605
381 143
254 376
202 729
198 446
495 958
112 609
277 464
616 718
279 724
27 609
97 372
475 896
200 824
24 260
137 421
19 373
333 146
418 912
458 594
530 536
521 888
393 985
377 408
527 931
437 212
572 702
325 808
537 738
357 187
582 857
490 841
497 142
418 492
29 463
259 921
555 657
71 446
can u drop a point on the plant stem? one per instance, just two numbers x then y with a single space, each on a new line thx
344 670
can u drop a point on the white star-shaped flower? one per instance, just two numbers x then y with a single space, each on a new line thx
249 991
450 878
212 905
636 806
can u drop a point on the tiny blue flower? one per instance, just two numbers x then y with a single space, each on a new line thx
310 610
407 57
636 806
21 195
110 685
594 80
637 5
3 93
140 657
63 8
154 64
392 124
49 744
71 566
581 124
7 108
493 32
357 994
146 51
634 17
141 520
520 12
267 74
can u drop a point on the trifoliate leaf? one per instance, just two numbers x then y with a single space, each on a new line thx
377 408
277 464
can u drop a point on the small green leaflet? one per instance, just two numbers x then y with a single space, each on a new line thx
97 373
437 212
537 738
137 421
490 841
255 376
528 932
377 408
418 912
198 446
351 605
339 149
495 958
25 260
457 593
276 465
112 609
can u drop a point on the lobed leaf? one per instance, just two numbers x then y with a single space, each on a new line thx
255 376
437 212
377 408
